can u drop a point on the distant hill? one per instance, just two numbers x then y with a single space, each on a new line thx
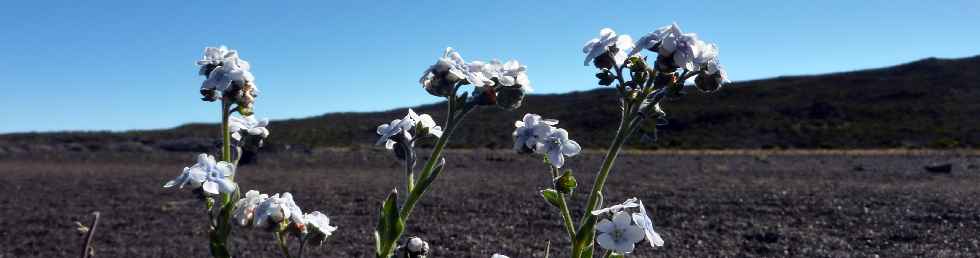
931 103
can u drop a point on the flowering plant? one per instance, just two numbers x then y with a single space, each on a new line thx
642 87
494 84
228 78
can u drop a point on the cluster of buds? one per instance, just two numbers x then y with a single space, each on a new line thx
228 78
629 224
281 214
501 84
536 135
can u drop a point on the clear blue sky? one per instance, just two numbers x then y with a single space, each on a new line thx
118 65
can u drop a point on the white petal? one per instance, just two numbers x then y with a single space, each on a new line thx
556 158
634 234
624 246
210 187
606 241
571 148
605 225
622 219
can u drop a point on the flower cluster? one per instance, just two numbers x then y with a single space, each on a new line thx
629 225
501 84
211 176
675 49
280 213
533 134
228 77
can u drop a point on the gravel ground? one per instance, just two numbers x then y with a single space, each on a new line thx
758 204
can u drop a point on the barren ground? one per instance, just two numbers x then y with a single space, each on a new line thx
722 204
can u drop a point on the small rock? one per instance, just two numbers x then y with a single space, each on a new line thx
943 168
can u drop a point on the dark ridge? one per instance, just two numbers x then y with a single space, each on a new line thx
930 103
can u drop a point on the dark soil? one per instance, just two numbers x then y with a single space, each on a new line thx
739 205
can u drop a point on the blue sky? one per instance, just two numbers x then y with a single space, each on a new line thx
119 65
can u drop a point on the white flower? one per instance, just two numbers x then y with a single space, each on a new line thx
233 70
685 49
396 126
425 121
245 207
194 177
509 74
619 235
499 256
530 130
213 177
248 124
319 226
557 145
276 209
216 55
629 203
643 221
405 125
440 77
651 40
607 37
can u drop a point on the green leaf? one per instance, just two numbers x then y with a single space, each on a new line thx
616 255
390 225
566 183
552 197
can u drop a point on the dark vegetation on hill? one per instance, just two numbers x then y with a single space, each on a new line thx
931 103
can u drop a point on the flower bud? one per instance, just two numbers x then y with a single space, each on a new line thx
416 247
708 82
209 95
510 98
566 183
484 96
665 64
606 60
606 77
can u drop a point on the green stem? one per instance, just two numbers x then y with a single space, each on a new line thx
281 240
566 216
302 246
410 171
451 123
625 127
613 152
219 233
